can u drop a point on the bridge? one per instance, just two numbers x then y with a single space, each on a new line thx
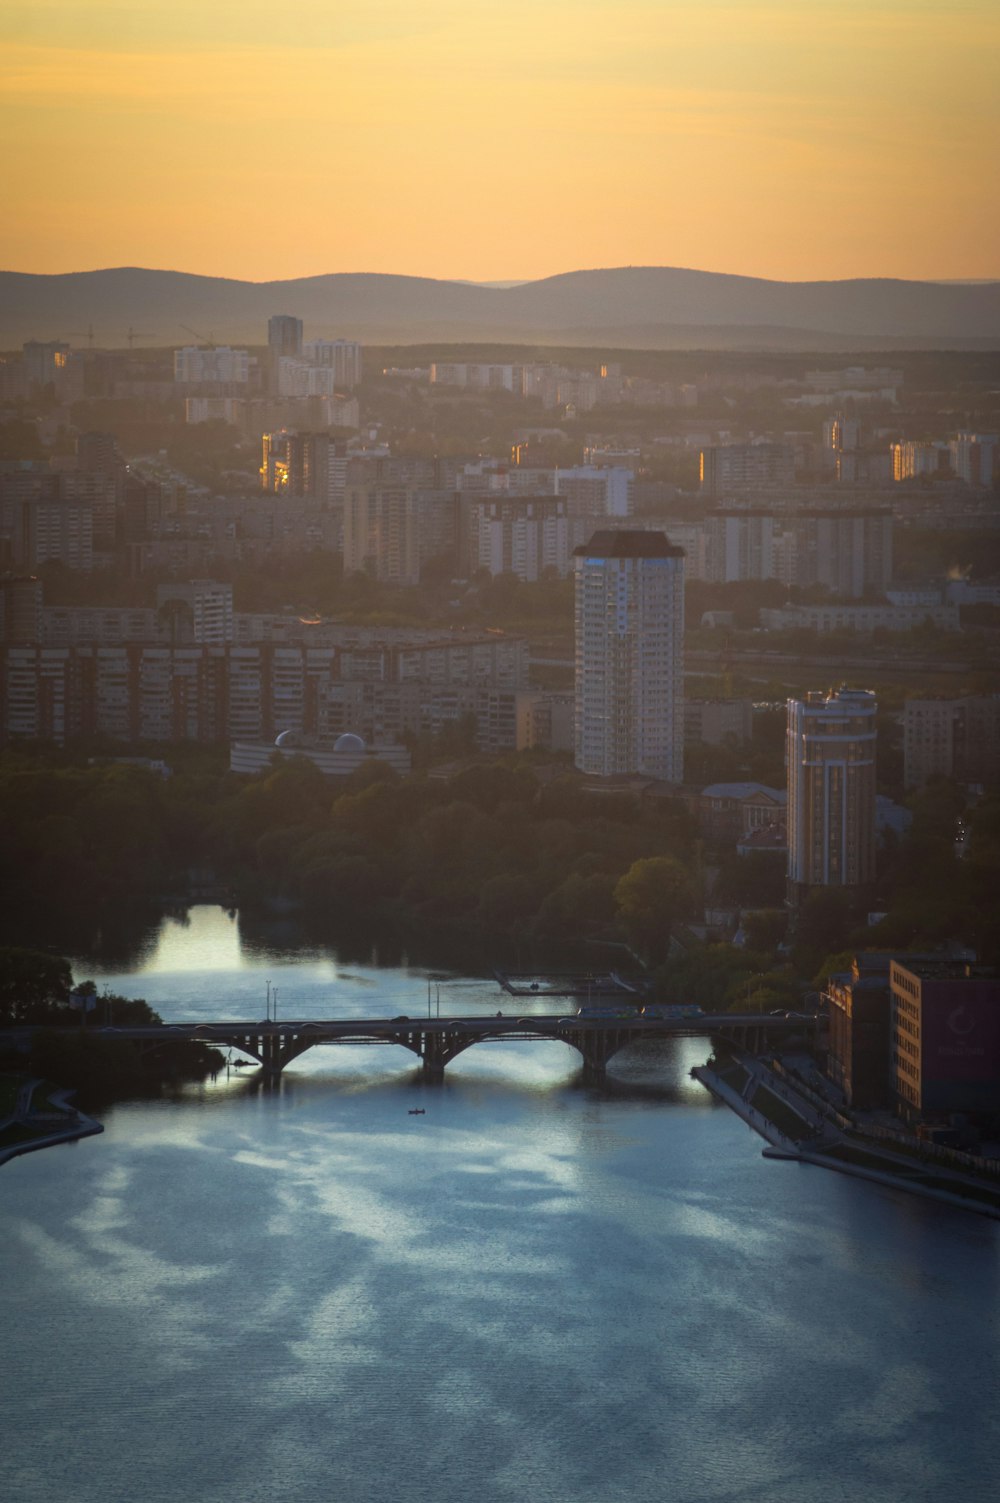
437 1041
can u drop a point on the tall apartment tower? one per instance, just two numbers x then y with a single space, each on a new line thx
284 341
831 789
629 655
284 335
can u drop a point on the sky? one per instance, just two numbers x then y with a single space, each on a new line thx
501 139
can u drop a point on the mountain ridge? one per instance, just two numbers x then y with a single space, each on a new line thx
619 306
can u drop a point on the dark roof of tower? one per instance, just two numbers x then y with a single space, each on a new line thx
629 544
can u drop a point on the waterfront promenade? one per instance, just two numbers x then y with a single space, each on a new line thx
38 1115
798 1125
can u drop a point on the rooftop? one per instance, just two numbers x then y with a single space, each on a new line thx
629 544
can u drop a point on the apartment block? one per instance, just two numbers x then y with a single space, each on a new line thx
952 738
831 789
629 618
945 1026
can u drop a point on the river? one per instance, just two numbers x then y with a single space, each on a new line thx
536 1291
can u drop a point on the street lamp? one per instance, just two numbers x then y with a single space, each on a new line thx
757 975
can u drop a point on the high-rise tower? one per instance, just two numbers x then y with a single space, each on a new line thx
629 655
831 789
284 341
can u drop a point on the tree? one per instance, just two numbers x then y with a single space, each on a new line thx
654 894
34 986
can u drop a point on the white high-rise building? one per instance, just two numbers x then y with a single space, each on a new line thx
598 490
218 365
629 655
341 356
975 457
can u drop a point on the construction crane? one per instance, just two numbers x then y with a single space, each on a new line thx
87 334
134 334
210 341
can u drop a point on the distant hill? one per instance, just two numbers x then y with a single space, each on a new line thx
625 307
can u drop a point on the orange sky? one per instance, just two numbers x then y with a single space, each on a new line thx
501 138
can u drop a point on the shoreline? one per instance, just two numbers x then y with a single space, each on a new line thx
781 1147
76 1124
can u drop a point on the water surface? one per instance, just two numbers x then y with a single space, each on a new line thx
534 1291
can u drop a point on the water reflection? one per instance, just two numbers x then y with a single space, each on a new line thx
536 1290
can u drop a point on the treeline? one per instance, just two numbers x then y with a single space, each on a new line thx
503 861
492 857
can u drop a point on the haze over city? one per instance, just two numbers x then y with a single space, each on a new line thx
479 141
500 751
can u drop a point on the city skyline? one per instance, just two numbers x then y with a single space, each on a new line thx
468 143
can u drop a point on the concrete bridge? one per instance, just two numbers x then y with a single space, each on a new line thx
437 1041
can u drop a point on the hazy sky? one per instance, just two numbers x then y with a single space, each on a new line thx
494 139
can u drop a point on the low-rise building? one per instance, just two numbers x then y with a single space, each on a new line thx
732 811
860 618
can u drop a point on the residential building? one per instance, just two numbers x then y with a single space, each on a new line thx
945 1025
207 605
732 811
860 618
846 549
341 356
975 457
523 535
831 789
476 377
21 610
910 460
740 545
393 531
213 410
596 490
736 469
284 335
842 434
952 738
629 620
45 362
859 1040
217 366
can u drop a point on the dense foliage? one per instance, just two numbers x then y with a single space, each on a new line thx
492 855
499 862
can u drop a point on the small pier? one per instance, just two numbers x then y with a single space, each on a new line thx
593 984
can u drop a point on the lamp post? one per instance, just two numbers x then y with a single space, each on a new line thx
268 984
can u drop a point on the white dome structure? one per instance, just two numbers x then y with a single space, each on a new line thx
286 740
349 742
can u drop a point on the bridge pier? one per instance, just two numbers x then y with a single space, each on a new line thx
595 1072
596 1048
271 1054
435 1056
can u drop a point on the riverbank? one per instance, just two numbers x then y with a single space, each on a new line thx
798 1126
38 1114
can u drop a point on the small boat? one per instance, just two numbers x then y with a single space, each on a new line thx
418 1111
